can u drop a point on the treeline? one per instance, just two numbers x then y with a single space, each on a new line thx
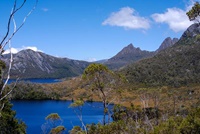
32 91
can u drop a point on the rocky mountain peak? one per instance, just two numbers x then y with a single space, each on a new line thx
26 52
129 49
191 35
130 46
168 42
126 55
192 30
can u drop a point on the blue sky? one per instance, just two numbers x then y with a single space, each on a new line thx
95 29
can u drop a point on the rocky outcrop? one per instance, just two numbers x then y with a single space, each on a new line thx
191 35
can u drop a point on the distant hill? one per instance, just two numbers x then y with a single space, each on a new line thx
128 54
174 66
31 64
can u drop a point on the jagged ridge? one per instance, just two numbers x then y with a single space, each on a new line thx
178 65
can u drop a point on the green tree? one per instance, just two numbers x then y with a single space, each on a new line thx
102 81
53 124
76 130
194 13
79 105
57 130
53 118
8 123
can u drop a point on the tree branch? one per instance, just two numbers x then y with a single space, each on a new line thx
9 69
14 10
8 77
2 44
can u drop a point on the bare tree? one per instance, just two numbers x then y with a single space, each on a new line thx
144 98
6 41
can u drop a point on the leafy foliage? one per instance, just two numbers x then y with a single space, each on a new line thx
57 130
177 125
173 125
194 13
53 116
9 124
77 103
52 125
76 130
103 81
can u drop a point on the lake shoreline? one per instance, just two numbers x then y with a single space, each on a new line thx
88 101
36 80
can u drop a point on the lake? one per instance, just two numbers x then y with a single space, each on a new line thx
33 113
36 80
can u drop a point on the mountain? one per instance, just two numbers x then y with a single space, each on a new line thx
168 42
128 54
31 64
178 65
131 54
101 61
191 35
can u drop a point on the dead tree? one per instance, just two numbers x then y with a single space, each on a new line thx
6 41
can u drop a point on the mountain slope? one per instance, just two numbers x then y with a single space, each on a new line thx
190 36
174 66
31 64
127 55
168 42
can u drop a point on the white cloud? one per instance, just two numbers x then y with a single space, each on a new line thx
91 59
16 50
127 18
13 50
176 18
32 48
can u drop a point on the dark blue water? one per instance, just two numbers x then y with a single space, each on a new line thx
36 80
33 113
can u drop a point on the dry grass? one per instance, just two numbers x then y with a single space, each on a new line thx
183 96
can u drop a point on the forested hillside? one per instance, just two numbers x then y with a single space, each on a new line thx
174 66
